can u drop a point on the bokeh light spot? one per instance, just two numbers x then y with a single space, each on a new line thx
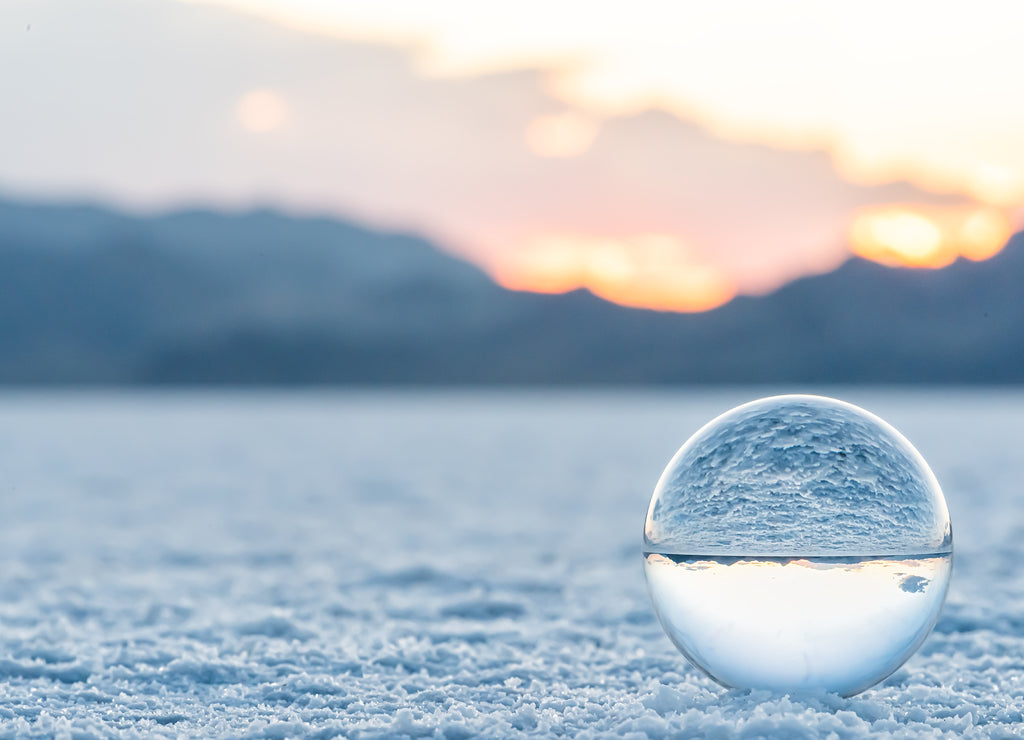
898 236
560 135
262 111
984 233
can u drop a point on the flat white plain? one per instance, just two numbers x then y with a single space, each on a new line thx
433 565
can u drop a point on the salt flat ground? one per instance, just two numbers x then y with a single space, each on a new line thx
432 564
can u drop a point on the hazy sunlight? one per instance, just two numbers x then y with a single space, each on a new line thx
650 270
928 236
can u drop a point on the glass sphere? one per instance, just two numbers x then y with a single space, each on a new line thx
798 542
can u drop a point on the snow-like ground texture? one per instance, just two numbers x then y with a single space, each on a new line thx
432 566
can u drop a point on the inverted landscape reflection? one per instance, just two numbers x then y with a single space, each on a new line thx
798 476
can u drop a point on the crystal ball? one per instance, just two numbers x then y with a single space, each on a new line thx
796 543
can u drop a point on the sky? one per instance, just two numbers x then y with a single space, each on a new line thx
670 157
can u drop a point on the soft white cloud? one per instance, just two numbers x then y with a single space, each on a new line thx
911 90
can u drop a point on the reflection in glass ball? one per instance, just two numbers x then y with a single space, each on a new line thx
798 542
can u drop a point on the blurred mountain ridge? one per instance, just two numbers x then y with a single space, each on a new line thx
89 295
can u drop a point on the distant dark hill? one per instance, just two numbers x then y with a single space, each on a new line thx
91 296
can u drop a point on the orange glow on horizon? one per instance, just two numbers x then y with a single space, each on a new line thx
928 236
661 272
654 271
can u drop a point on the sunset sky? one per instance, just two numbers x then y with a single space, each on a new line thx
669 157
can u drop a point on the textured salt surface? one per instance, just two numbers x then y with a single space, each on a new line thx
431 566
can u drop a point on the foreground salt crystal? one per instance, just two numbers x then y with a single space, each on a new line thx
798 542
